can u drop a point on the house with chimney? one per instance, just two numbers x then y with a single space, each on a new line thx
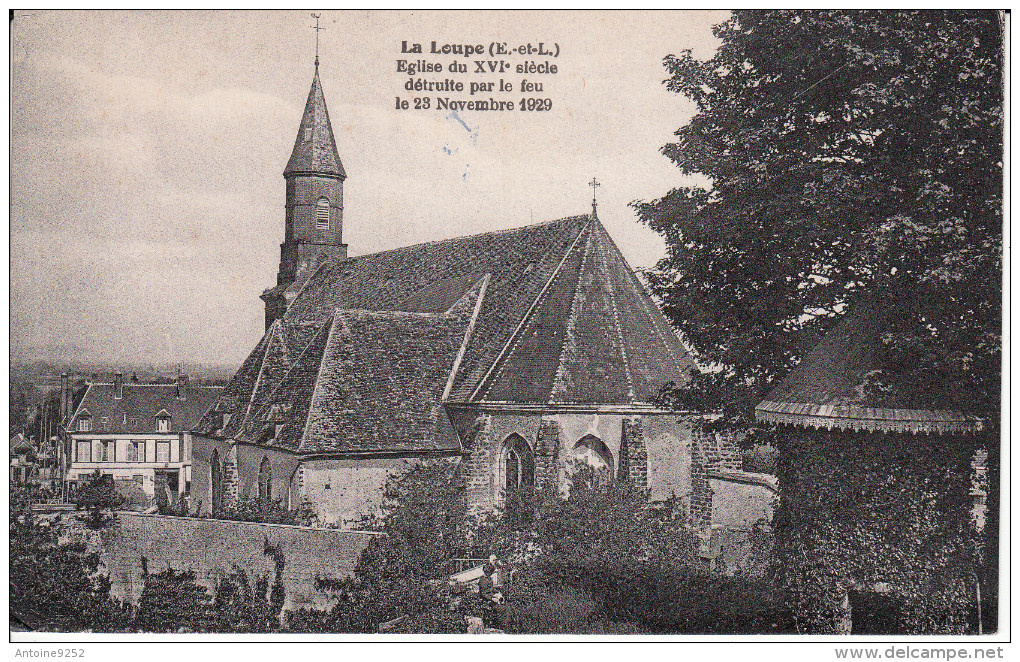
137 433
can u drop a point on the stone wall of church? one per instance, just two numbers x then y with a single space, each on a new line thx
201 471
343 491
654 451
668 440
282 469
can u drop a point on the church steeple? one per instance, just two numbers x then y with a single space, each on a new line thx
315 204
315 150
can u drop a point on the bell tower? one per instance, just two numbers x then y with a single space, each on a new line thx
314 206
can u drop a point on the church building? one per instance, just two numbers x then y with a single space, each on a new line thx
513 352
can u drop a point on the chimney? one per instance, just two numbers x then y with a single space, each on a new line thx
65 396
118 385
182 384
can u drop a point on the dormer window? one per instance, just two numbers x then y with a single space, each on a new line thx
163 421
85 424
322 214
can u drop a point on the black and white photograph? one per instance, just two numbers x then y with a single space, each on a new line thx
501 327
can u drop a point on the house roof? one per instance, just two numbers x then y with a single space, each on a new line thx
826 389
137 410
373 346
315 150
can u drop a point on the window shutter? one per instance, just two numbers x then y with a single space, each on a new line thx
322 214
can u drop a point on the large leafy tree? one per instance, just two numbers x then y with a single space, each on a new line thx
837 154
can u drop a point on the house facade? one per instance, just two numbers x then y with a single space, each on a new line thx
136 433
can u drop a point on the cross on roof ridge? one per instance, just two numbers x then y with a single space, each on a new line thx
594 184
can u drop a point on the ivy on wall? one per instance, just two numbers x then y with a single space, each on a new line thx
877 512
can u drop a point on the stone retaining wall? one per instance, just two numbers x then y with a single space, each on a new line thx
211 548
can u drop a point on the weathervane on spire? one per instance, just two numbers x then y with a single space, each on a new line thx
317 30
594 184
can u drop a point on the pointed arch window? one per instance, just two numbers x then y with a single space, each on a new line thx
215 482
322 214
517 466
591 451
265 484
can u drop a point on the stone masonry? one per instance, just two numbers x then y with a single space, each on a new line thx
479 480
636 454
709 452
547 454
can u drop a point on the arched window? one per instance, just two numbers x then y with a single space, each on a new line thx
590 450
322 214
215 482
265 484
517 465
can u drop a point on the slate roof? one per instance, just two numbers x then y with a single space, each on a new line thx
136 411
825 390
549 314
315 148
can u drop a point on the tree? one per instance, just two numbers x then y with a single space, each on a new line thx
172 601
401 573
242 605
837 153
96 495
58 585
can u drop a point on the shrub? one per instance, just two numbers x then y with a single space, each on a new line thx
172 601
58 586
252 510
96 495
242 605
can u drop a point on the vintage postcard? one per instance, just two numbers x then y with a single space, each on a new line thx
677 326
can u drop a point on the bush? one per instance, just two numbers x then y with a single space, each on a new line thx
686 600
172 601
536 605
252 510
96 495
241 605
57 586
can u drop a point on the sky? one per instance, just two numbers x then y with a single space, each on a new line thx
147 156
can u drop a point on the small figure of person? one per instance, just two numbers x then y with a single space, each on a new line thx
485 582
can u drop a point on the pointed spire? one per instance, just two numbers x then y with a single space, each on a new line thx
315 150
